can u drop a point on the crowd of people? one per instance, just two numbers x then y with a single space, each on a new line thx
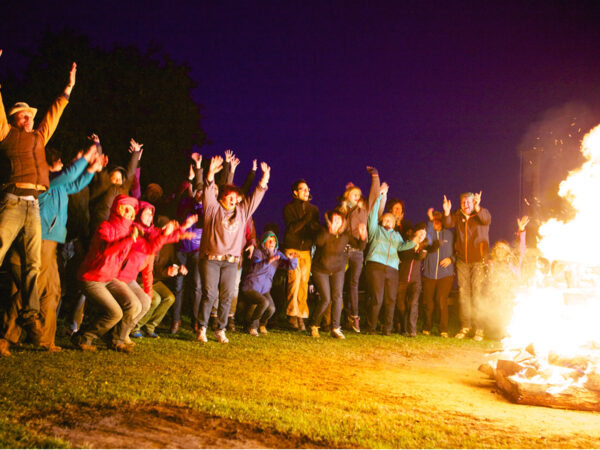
85 240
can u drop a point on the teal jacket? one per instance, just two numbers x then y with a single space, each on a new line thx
54 201
384 245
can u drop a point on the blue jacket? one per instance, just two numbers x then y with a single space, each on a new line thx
384 245
260 274
432 268
55 201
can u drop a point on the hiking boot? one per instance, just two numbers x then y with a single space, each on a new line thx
4 345
263 329
220 335
122 348
314 331
175 326
478 335
444 335
462 333
33 327
201 335
337 333
230 324
253 332
301 326
293 321
81 344
426 332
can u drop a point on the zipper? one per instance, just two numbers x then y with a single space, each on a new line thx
438 256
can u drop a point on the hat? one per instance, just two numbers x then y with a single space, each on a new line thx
22 106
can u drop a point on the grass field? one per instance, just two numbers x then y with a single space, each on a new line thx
365 391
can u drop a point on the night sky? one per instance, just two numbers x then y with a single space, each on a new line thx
439 96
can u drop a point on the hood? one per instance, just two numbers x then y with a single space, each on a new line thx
266 235
138 218
122 200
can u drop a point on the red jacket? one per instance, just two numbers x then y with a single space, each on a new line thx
146 245
110 245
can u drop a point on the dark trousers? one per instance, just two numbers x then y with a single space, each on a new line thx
435 293
331 291
265 307
218 281
189 285
382 284
355 265
407 304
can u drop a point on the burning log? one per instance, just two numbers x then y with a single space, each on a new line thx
510 378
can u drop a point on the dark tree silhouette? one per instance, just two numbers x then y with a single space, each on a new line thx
121 93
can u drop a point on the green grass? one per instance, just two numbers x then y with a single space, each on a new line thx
338 393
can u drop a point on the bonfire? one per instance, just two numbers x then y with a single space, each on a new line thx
551 355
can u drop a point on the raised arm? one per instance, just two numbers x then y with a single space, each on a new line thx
136 153
250 178
4 126
50 121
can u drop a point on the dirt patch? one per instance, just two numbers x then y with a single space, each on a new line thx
156 426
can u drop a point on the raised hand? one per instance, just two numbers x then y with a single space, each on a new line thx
384 188
372 170
266 170
229 155
522 223
216 165
447 206
430 214
94 138
90 154
173 270
183 270
254 165
135 147
191 173
72 75
234 163
197 157
96 165
477 201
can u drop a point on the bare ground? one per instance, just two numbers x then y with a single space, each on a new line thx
448 385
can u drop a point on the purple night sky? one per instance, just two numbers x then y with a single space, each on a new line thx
439 96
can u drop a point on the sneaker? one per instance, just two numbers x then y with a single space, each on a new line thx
137 334
426 332
220 335
478 335
201 335
4 345
354 323
444 335
154 335
253 332
175 326
337 333
314 331
263 330
462 333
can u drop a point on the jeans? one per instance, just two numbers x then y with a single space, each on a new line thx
218 282
162 300
331 291
355 263
382 283
144 300
118 306
407 304
471 278
435 293
190 284
18 215
265 307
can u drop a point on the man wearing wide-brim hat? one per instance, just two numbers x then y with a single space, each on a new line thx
24 147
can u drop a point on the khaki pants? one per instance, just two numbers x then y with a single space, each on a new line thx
298 285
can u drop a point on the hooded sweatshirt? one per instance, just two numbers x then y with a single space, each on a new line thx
110 245
260 274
